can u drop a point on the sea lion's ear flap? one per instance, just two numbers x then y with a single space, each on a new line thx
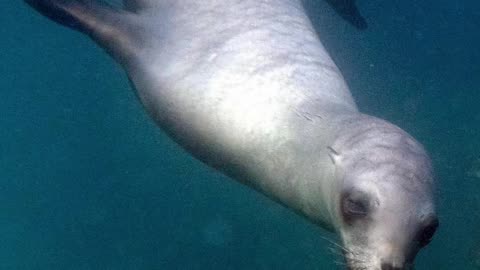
334 155
113 29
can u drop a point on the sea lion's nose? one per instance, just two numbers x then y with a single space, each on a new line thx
390 266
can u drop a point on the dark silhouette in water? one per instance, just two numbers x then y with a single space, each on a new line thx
349 12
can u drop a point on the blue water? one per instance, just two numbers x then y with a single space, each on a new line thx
89 182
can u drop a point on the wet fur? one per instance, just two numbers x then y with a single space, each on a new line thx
258 97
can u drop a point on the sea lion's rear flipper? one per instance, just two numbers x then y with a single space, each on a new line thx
113 29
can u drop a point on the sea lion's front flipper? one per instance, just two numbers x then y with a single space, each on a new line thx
347 9
115 30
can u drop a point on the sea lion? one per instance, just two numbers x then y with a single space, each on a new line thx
248 88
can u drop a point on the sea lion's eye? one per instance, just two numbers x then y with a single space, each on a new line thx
354 207
425 235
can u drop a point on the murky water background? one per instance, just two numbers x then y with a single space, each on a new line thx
88 181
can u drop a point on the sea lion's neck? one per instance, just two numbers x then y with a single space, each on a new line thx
299 173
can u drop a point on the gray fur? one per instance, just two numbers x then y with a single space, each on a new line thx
247 87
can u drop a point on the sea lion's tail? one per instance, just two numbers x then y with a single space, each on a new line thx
114 29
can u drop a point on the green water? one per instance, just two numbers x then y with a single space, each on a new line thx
88 181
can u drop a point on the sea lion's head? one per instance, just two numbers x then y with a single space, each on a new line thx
385 210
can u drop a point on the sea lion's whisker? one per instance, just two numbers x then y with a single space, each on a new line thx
335 251
337 245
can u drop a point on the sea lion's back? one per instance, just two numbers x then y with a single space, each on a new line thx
236 59
249 38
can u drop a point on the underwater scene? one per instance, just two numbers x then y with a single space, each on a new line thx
90 182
